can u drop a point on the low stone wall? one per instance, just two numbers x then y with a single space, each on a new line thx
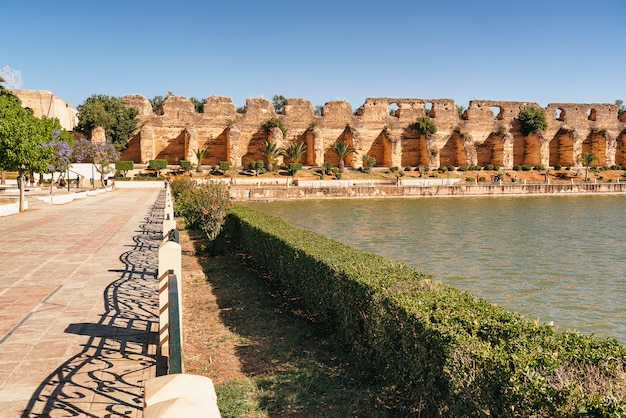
381 191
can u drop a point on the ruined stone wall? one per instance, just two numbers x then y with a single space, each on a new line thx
486 133
44 103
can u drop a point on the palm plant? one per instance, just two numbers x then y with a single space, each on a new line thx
200 153
342 149
587 159
270 152
295 151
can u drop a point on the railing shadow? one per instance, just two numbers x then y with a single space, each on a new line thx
106 378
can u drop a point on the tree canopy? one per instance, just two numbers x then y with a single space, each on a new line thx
424 125
532 119
117 119
279 102
22 136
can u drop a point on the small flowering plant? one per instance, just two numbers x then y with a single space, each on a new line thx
203 206
59 154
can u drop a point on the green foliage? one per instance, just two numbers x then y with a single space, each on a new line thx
441 351
203 206
125 166
224 166
459 110
199 153
157 164
157 104
532 119
424 125
295 151
270 152
185 165
22 136
620 107
294 167
342 149
198 105
112 114
279 102
368 162
275 123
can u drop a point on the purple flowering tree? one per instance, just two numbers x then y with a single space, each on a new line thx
101 155
59 152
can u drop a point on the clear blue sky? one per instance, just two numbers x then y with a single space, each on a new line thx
543 51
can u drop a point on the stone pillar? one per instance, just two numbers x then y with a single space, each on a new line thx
507 150
234 146
318 146
146 143
191 144
395 139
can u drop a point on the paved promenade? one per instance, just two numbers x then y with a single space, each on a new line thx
78 305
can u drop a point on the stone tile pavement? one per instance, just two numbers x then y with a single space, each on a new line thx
79 305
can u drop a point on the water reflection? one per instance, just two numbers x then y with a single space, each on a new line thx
554 259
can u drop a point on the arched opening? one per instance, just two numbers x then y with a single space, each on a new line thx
252 150
216 149
497 112
595 143
381 150
491 151
393 109
562 149
591 114
429 109
560 114
620 151
414 151
527 150
453 152
331 157
174 151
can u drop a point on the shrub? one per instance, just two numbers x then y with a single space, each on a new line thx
469 179
275 123
451 168
251 165
442 351
527 167
424 125
489 167
260 165
557 166
407 168
124 166
157 165
368 163
482 179
185 165
294 167
462 168
202 206
538 167
224 166
443 169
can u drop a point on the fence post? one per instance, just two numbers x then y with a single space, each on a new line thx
169 260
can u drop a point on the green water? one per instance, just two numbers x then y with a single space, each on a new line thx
555 259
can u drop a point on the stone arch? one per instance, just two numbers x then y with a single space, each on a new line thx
429 110
252 149
453 152
562 148
527 150
620 149
414 150
330 157
381 150
175 149
491 151
216 148
595 143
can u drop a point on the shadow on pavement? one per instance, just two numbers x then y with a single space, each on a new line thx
107 377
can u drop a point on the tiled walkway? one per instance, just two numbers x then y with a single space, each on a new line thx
78 306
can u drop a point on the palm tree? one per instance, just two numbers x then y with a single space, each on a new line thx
295 151
199 155
587 159
342 149
270 152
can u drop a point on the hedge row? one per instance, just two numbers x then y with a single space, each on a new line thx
442 351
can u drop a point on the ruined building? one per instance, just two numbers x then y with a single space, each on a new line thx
486 133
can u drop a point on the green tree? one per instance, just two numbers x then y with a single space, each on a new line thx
270 152
279 102
424 125
198 105
199 153
295 151
157 104
118 120
588 159
275 123
532 119
342 149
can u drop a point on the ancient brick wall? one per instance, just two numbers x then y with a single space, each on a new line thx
486 133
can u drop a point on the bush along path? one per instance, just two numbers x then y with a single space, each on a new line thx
266 356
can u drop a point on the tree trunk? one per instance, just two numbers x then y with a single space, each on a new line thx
341 165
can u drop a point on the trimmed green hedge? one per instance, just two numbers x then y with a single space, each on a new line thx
441 351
